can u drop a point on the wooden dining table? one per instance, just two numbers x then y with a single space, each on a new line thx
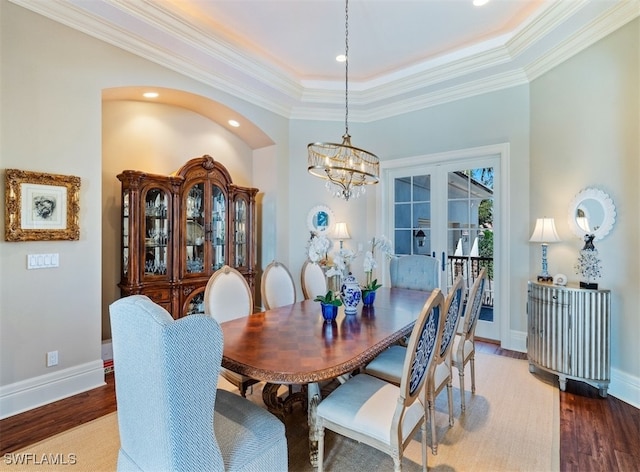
293 345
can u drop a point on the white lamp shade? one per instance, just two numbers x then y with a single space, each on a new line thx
341 232
545 231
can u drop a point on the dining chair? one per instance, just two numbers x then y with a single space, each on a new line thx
171 414
415 272
388 364
277 287
226 297
464 348
378 413
314 282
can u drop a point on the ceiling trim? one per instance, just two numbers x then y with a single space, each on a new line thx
559 31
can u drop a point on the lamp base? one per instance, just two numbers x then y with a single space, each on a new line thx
545 278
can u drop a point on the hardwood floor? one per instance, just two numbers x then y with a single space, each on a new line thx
596 434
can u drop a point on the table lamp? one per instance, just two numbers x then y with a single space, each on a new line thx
545 233
341 233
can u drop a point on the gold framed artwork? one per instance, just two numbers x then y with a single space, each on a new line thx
41 207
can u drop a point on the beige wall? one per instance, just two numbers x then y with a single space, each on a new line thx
585 122
52 80
158 139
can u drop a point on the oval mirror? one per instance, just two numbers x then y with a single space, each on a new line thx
591 212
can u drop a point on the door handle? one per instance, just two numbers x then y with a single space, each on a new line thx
443 264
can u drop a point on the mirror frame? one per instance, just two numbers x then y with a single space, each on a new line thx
608 209
312 216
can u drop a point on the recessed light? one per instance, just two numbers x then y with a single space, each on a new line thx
479 3
233 123
150 95
341 58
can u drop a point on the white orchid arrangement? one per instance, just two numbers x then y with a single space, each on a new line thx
385 245
318 248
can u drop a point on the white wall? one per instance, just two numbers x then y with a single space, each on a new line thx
585 119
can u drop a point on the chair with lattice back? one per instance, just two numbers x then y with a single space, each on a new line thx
464 348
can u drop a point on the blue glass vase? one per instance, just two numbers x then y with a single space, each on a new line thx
350 294
329 311
369 298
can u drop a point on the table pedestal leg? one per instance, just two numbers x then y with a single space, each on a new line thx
314 397
277 405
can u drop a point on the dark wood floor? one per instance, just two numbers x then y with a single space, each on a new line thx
596 434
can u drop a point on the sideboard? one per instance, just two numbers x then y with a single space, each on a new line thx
569 333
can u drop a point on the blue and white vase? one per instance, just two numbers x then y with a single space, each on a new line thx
350 294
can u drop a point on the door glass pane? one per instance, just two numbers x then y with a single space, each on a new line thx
412 215
156 242
470 229
195 240
218 237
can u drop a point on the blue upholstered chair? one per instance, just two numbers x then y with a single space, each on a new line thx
171 417
388 364
378 413
415 272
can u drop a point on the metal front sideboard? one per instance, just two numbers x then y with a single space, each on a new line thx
569 333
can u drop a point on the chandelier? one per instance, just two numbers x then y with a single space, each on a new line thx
346 168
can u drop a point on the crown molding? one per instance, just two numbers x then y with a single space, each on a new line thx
154 31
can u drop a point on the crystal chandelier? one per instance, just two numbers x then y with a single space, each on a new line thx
346 168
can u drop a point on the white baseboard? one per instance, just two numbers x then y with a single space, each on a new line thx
37 391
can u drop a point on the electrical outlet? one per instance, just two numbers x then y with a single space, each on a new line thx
52 358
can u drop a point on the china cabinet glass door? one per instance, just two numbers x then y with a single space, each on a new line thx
218 227
240 232
195 224
125 234
156 232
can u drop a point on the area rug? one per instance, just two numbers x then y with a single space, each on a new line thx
511 423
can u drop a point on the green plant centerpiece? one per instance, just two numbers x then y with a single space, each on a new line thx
370 287
330 303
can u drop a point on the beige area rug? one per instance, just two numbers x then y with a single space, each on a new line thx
510 424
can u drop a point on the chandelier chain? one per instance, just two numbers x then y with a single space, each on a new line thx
346 67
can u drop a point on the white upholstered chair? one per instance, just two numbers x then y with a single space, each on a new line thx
415 272
464 348
314 282
277 286
388 364
378 413
227 297
171 415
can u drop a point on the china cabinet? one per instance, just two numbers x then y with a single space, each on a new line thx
179 229
569 333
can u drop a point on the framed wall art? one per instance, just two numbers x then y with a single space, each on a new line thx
41 207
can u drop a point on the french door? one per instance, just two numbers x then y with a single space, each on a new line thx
449 209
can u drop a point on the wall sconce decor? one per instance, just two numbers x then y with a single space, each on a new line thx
545 233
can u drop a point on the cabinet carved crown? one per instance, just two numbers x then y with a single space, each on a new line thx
177 230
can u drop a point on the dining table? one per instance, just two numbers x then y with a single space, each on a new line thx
294 345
